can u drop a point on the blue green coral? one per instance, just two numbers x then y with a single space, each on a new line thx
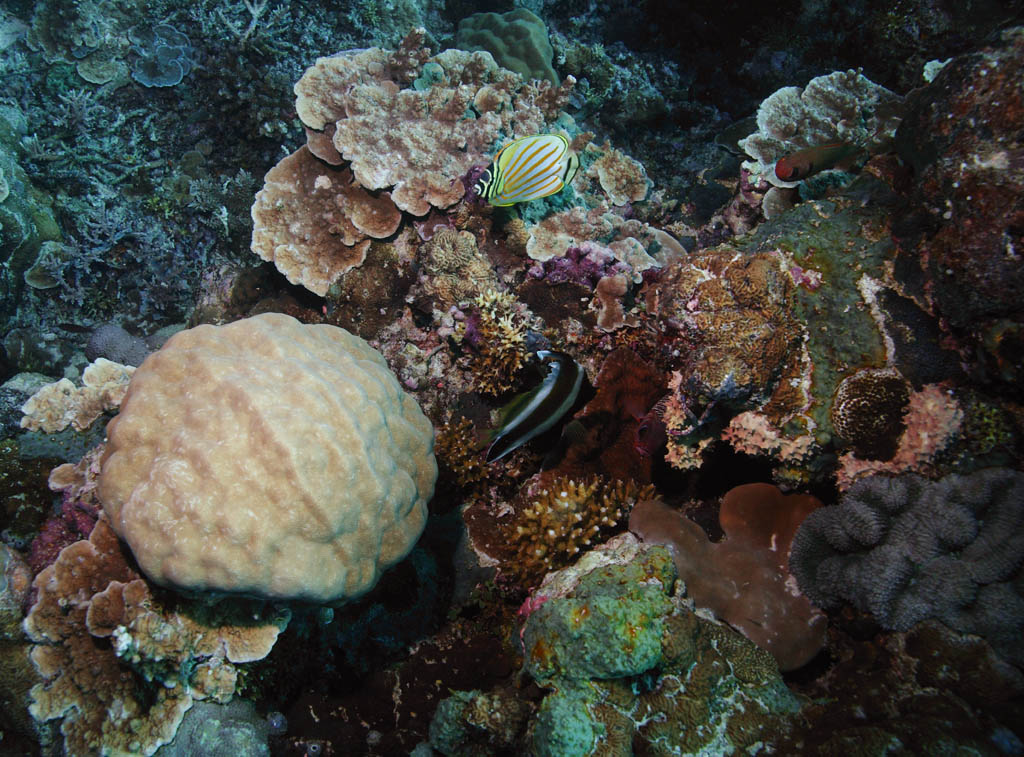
628 662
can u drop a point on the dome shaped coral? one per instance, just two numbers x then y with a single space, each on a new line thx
268 458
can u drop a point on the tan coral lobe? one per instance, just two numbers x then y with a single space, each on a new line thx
268 458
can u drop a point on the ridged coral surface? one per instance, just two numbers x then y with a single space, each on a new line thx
906 549
268 458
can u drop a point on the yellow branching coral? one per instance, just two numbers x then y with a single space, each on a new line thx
502 348
457 451
566 518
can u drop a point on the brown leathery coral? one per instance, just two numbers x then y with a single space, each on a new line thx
130 695
313 222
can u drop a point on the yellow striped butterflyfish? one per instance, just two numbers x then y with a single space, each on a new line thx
528 169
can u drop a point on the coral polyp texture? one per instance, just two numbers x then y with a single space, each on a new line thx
629 666
443 113
867 411
268 458
907 549
566 518
844 106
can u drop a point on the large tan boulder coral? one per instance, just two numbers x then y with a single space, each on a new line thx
268 458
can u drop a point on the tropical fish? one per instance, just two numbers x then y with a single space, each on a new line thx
532 413
528 169
809 161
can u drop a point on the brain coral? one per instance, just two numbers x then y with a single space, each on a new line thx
268 458
905 549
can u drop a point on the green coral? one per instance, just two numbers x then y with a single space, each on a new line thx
844 243
630 665
518 41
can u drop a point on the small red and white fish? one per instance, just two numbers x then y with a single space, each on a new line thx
527 169
809 161
532 413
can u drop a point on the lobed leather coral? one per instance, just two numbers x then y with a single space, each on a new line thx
905 549
131 695
744 579
314 223
844 106
268 458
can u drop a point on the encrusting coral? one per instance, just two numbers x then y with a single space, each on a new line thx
628 666
131 695
224 424
905 549
744 579
61 404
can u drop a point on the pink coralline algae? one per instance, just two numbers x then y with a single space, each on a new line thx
79 510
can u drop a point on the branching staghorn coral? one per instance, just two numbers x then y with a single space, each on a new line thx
501 347
566 518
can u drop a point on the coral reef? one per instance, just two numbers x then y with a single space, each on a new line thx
844 106
563 518
759 522
867 412
420 159
267 410
456 270
59 405
968 204
626 664
906 549
500 341
314 223
114 343
518 41
933 419
129 695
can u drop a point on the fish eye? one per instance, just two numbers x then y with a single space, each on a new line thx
314 749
